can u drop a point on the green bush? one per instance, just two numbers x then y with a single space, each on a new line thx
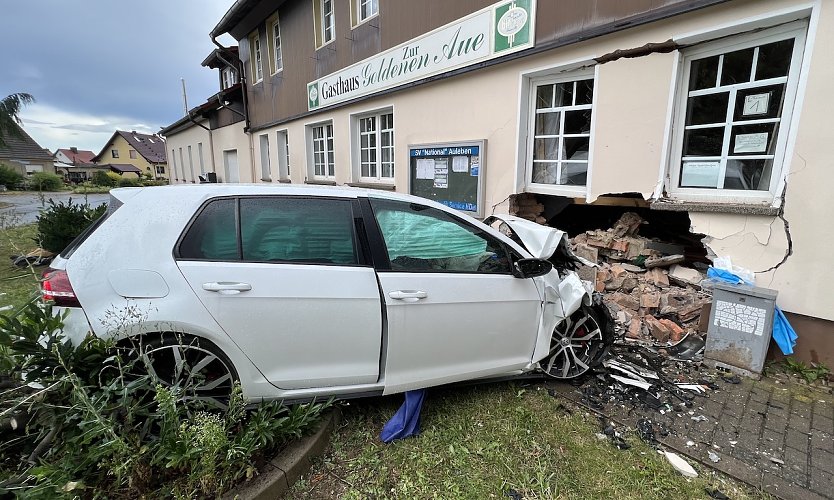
44 181
129 182
100 178
9 177
61 222
94 424
154 183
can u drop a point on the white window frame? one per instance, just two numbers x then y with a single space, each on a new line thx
550 77
356 146
282 149
373 10
796 30
277 55
323 22
256 58
318 144
266 170
114 153
228 77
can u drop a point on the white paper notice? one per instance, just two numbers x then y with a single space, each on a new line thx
756 104
700 174
751 143
441 173
460 164
425 169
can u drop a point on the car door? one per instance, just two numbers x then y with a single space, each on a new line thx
287 279
454 309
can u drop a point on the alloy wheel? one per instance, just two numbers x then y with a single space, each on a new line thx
575 346
199 373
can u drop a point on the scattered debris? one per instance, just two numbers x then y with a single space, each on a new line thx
718 495
680 464
699 418
714 457
777 460
511 493
731 379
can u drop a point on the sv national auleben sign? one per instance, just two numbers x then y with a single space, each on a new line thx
497 30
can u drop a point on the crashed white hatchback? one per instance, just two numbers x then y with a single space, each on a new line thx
301 292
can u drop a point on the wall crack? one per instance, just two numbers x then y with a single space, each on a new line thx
789 249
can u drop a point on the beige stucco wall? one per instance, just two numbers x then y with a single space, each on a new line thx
222 139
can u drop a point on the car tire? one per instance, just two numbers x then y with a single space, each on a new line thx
194 366
579 343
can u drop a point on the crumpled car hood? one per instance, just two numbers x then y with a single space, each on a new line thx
541 241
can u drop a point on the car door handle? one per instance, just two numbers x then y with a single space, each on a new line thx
408 294
227 287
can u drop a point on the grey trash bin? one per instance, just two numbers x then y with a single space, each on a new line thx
740 327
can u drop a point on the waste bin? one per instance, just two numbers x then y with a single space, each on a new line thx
740 327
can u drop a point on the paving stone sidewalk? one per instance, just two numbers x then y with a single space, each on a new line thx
774 435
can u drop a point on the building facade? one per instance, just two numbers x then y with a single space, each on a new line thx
710 108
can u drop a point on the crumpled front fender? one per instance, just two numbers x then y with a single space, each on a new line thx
561 299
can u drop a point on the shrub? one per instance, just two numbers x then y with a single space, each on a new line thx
91 419
129 182
100 178
44 181
9 177
61 222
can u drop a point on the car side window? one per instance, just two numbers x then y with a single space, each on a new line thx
298 230
213 234
420 238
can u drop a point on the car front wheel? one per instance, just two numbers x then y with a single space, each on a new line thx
578 344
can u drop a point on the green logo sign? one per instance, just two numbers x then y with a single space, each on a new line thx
313 95
512 25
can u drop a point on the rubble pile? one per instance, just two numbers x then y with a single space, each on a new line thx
653 296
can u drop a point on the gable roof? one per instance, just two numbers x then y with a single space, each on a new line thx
151 147
22 148
79 156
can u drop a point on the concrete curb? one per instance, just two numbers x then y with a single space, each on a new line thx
279 474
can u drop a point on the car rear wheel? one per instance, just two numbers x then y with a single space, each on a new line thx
195 367
577 345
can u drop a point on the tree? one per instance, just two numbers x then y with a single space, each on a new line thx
9 114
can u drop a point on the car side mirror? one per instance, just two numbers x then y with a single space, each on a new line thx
531 268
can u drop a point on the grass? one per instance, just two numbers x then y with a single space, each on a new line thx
484 441
17 283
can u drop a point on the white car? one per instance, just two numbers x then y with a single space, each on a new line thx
302 292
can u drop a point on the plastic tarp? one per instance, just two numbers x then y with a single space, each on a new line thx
406 421
783 333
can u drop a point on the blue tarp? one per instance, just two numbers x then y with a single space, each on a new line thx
406 421
783 333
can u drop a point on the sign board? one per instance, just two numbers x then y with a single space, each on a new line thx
449 173
497 30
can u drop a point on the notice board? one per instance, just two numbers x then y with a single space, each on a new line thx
449 173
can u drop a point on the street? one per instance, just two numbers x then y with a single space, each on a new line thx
26 205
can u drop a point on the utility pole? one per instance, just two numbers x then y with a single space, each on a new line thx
184 98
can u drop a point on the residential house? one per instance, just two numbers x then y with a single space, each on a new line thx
707 114
135 155
210 141
24 155
76 165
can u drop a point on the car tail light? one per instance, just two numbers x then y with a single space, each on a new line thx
56 288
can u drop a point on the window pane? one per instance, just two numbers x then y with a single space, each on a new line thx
758 139
544 96
584 92
297 230
574 174
700 174
703 73
576 148
547 123
703 141
545 173
737 67
578 122
363 156
774 59
710 108
546 149
419 238
563 94
761 102
213 234
748 174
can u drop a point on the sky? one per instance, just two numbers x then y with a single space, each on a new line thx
95 66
